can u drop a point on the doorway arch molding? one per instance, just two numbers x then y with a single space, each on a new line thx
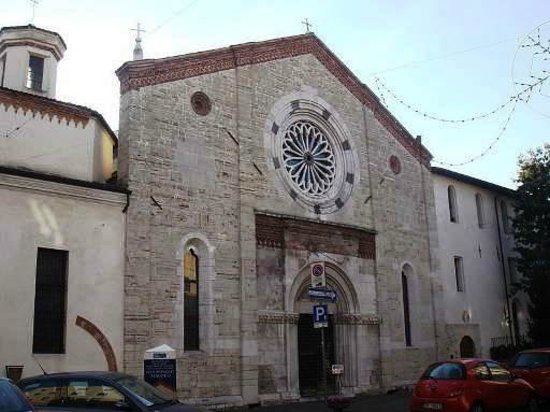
347 300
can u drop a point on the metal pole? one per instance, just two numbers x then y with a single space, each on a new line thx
323 363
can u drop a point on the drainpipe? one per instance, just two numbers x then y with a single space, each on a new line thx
512 338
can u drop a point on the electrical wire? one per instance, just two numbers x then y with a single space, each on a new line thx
172 17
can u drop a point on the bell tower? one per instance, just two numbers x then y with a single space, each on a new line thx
28 59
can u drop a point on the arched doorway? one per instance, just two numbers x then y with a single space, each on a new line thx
467 347
340 336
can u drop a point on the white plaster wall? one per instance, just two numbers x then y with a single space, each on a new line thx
93 234
17 64
484 294
48 145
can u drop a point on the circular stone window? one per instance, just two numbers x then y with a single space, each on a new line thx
311 153
395 164
308 158
200 103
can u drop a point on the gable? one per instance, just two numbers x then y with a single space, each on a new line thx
141 73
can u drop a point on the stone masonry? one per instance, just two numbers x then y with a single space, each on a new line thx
208 182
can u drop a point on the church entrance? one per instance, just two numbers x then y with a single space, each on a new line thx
467 347
309 356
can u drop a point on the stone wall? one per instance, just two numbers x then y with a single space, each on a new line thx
212 175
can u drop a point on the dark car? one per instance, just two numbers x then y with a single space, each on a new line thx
471 385
534 366
108 391
12 399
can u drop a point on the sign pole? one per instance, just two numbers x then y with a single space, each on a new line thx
323 363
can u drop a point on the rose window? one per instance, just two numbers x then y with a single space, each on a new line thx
308 158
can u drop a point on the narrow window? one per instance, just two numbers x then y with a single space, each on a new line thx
479 207
451 194
505 217
515 320
2 70
35 73
459 274
50 301
406 311
191 301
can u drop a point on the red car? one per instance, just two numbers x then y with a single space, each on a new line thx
534 367
471 385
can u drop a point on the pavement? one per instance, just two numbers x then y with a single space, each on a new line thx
394 402
391 402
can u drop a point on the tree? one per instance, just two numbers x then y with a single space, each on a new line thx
532 233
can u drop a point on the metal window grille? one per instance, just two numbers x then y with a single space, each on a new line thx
50 301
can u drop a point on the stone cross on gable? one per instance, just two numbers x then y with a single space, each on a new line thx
139 30
308 25
138 51
34 4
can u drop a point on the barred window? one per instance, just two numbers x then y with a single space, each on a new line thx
50 301
191 301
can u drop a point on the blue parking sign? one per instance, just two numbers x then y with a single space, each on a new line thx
320 316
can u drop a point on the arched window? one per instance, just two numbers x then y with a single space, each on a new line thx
453 211
479 207
190 301
505 217
406 309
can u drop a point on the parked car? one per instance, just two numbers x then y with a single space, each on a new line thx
108 391
471 385
12 399
534 366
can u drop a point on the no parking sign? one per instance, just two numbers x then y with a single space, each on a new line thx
317 271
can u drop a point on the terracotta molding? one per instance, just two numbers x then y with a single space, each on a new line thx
44 107
101 340
133 75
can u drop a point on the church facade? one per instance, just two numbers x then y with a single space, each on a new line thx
247 165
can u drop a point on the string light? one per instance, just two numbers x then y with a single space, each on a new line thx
491 146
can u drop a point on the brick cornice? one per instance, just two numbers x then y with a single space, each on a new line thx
136 74
51 109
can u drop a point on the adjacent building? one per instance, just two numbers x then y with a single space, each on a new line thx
478 270
61 218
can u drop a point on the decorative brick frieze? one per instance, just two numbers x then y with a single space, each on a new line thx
268 317
271 231
358 319
136 74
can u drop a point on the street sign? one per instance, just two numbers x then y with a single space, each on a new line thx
337 369
317 272
322 294
320 316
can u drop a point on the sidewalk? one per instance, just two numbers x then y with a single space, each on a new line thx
395 402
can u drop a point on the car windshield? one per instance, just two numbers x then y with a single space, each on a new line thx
10 400
445 371
146 394
532 360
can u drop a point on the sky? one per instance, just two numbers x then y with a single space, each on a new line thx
446 59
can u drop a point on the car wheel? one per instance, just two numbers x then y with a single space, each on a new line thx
477 408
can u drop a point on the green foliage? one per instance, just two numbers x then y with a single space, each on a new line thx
532 233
